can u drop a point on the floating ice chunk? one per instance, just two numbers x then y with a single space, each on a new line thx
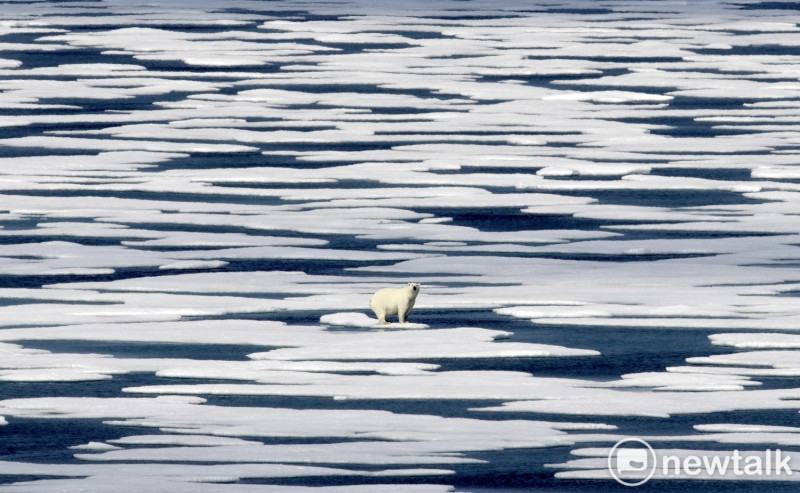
96 407
266 333
615 402
221 240
738 370
205 479
559 311
264 370
776 173
276 96
610 97
194 264
687 382
768 25
776 359
181 440
765 323
556 171
718 46
758 340
95 447
357 319
745 428
55 374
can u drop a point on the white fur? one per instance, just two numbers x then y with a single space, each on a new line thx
388 301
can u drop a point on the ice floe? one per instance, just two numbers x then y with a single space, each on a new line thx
357 319
242 179
750 340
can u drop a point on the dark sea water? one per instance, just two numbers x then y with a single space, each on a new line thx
589 194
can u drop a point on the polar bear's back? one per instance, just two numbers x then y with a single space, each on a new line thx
386 296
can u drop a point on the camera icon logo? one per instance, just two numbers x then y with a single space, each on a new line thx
632 461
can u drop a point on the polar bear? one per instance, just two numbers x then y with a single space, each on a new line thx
388 301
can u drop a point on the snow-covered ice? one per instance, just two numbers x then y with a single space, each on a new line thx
198 201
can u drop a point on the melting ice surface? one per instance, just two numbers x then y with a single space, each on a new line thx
197 199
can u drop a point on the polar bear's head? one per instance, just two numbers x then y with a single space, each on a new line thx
413 287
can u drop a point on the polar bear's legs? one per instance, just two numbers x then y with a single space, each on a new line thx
402 312
381 317
381 313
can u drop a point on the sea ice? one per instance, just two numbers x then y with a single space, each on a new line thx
357 319
641 157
